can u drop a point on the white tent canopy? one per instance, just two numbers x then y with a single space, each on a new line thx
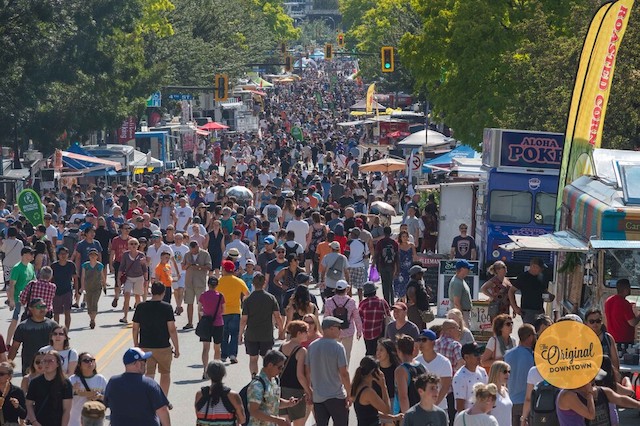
424 139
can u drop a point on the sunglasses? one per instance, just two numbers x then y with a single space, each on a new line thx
595 321
40 306
89 360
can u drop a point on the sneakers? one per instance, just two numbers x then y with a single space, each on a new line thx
75 305
188 327
233 359
92 324
123 320
114 303
179 310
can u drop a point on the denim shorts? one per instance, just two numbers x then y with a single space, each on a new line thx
16 312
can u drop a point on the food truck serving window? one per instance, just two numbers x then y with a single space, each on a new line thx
545 213
510 206
621 264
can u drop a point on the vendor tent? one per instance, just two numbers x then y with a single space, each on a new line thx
444 161
424 139
78 158
362 105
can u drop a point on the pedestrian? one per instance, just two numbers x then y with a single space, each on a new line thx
81 255
11 247
293 379
404 377
342 306
463 246
400 325
334 267
468 375
593 319
13 398
134 272
500 342
263 393
465 334
427 412
92 413
119 245
164 274
211 324
42 288
300 303
497 290
260 312
180 250
532 286
50 395
520 359
387 357
387 261
370 396
406 256
437 364
64 277
418 307
358 252
621 317
326 366
197 264
478 413
154 330
315 330
373 313
216 403
59 342
21 274
154 257
499 376
134 399
459 292
94 281
87 385
32 333
234 291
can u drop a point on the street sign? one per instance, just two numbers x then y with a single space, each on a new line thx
155 100
180 97
414 162
296 132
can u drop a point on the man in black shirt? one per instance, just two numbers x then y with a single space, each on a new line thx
64 276
532 286
154 330
140 230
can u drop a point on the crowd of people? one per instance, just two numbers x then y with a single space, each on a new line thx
245 266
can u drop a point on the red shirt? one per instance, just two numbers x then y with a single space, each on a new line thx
119 246
619 311
373 310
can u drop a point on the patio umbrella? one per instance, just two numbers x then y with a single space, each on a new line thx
398 134
380 207
240 192
212 125
384 165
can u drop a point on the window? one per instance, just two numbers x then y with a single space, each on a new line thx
510 206
621 264
545 212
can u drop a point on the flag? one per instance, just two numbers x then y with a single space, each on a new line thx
370 92
591 91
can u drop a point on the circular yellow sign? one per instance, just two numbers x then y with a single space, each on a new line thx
568 354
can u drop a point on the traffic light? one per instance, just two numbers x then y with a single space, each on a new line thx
341 40
220 88
386 58
288 63
283 48
328 52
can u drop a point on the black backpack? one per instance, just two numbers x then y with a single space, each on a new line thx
342 313
422 298
245 399
412 391
291 249
543 405
388 253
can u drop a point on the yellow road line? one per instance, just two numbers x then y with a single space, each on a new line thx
125 332
113 354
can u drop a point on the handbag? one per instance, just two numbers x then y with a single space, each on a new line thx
374 275
123 275
427 316
203 329
332 272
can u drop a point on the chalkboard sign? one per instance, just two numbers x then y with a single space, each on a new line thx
431 282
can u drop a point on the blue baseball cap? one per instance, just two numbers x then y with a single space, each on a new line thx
429 334
463 264
269 239
134 354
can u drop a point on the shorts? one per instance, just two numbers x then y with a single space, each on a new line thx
258 348
193 288
7 273
161 357
299 410
16 312
116 272
216 334
357 277
134 285
62 303
180 283
310 255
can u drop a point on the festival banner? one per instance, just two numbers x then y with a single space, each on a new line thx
591 92
370 92
31 206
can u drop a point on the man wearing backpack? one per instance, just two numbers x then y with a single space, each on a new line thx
291 246
332 269
343 307
405 374
386 260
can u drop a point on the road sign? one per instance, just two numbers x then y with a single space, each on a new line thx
414 162
155 100
181 97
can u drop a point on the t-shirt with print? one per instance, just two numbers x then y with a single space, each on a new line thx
272 212
178 254
269 398
183 214
463 382
463 246
259 307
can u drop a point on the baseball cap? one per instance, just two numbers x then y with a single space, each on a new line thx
472 349
306 200
135 354
341 285
400 305
369 288
302 278
228 266
359 222
156 234
86 226
463 264
416 269
269 239
429 334
93 251
334 245
140 219
250 262
330 321
538 261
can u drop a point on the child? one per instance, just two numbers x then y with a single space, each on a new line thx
247 277
164 275
426 412
94 279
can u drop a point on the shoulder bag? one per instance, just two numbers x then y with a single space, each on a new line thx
205 325
86 386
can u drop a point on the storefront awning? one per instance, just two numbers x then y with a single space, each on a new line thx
79 161
562 241
615 244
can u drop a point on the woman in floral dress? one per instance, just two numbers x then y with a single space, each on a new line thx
406 255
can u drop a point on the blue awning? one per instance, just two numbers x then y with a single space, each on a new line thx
462 151
101 173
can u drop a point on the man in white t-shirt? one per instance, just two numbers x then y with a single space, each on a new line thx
52 231
468 375
300 229
435 363
179 252
273 213
184 215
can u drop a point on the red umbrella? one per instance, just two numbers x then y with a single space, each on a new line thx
212 125
397 134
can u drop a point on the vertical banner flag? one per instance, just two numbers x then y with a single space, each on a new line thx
370 92
31 206
591 92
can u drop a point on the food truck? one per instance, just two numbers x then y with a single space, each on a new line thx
600 238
